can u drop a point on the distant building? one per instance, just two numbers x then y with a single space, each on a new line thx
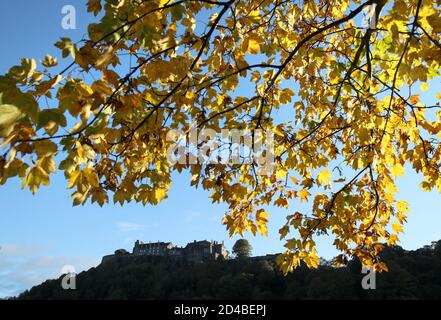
206 249
152 248
177 252
196 250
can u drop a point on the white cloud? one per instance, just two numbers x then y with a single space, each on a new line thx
16 250
191 215
129 227
23 266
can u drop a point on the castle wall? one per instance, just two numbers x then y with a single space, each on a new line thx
197 249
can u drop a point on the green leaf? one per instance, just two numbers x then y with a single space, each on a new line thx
27 104
48 115
9 116
177 12
66 46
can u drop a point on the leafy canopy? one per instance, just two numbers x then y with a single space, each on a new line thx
347 93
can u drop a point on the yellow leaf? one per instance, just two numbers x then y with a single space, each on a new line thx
47 164
49 61
254 16
285 95
164 2
73 178
253 45
84 90
100 87
324 177
303 195
160 194
105 58
100 196
281 202
438 184
397 170
281 174
403 206
424 86
255 76
283 232
414 99
398 228
35 178
91 177
45 86
262 219
9 116
45 147
294 180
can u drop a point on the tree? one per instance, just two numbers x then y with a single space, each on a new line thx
242 249
340 97
437 247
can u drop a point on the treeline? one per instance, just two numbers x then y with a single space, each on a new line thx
413 275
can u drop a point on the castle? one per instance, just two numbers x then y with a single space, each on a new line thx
207 250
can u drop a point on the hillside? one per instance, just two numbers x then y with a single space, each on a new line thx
413 275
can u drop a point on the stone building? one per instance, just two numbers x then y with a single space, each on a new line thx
152 248
206 249
196 249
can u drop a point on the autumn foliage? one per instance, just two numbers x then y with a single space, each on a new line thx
352 118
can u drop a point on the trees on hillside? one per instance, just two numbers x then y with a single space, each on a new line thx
242 249
158 277
341 98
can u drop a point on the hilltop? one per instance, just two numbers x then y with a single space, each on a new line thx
413 275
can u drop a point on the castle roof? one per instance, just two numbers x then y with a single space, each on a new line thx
154 244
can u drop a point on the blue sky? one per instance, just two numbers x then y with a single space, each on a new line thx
42 233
